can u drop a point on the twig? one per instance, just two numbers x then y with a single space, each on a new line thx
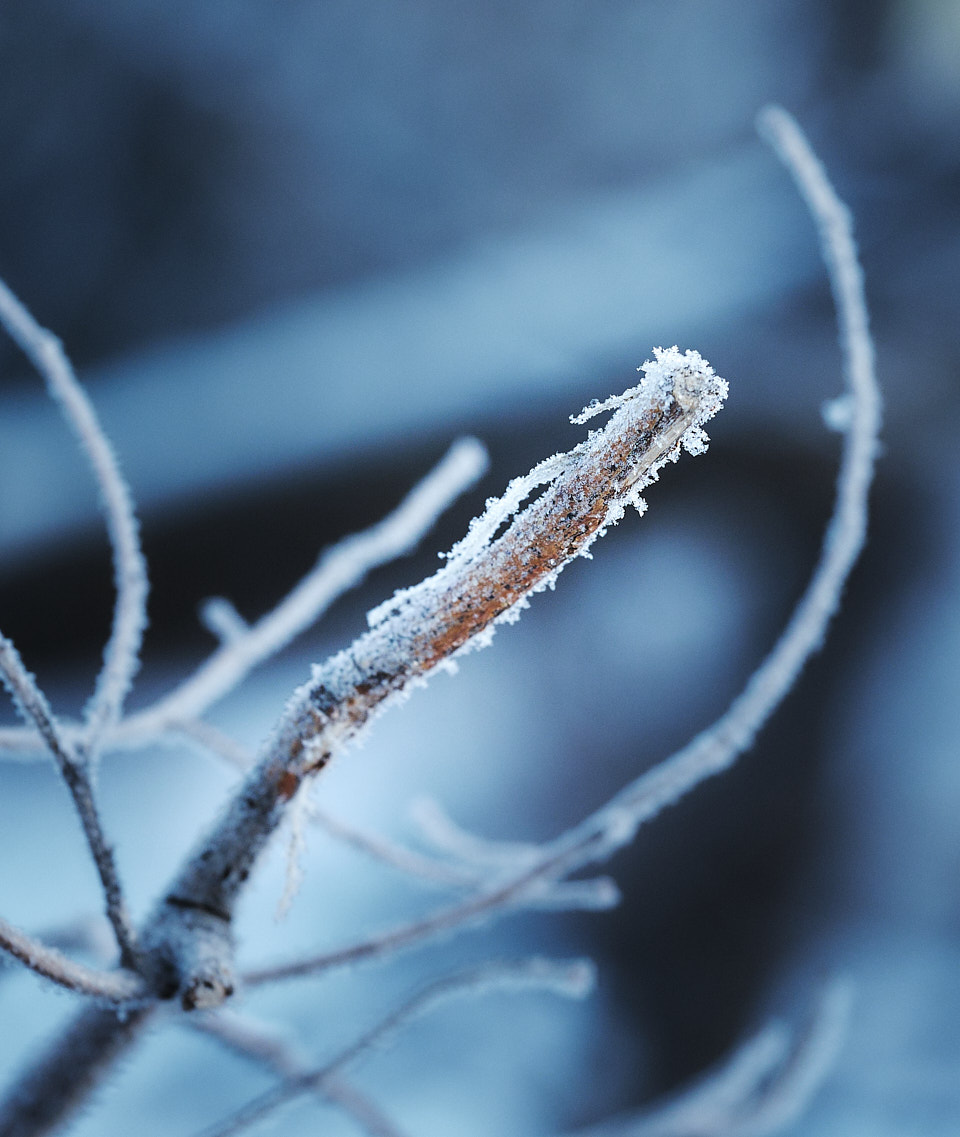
487 579
339 569
396 856
262 1046
408 861
443 833
119 986
763 1087
614 825
719 746
121 657
90 935
60 1080
33 707
570 979
220 618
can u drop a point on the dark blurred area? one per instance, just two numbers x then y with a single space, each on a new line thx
294 248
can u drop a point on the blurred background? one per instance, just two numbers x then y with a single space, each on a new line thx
294 249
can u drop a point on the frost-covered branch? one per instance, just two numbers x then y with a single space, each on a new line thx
122 654
516 548
34 708
487 580
439 829
339 569
719 746
434 870
571 979
244 647
89 935
614 825
763 1087
111 986
263 1046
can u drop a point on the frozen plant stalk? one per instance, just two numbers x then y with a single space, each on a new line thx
487 578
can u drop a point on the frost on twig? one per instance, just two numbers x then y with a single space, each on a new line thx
444 834
340 568
516 548
434 870
268 1050
111 986
34 708
122 653
486 580
572 979
614 824
759 1090
222 620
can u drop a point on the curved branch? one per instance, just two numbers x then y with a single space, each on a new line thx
487 580
119 986
572 979
33 707
121 657
614 825
339 569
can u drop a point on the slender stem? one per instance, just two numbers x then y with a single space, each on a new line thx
121 658
339 569
487 579
112 986
572 979
614 825
263 1047
34 708
61 1079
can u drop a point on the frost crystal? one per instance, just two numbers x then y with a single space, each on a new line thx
525 538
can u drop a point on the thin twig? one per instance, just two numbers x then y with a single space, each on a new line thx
572 979
34 708
487 580
339 569
90 935
121 657
764 1086
119 986
266 1049
442 832
430 869
614 825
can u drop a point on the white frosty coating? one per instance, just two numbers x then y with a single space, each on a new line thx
571 979
445 835
659 376
468 861
838 413
758 1091
111 986
121 657
445 872
614 825
671 376
32 705
338 569
222 620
